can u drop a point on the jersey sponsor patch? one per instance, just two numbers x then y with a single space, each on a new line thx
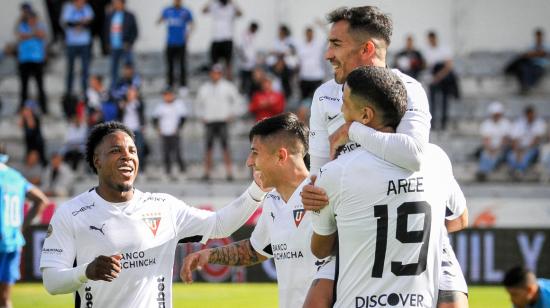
298 216
152 220
50 231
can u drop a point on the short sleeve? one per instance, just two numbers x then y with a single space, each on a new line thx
59 246
260 239
329 178
456 203
191 222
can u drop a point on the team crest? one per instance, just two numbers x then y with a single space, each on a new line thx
152 220
298 216
50 231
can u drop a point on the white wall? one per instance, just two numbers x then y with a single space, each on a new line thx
466 25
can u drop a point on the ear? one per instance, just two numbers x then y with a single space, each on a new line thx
369 50
368 115
282 154
96 161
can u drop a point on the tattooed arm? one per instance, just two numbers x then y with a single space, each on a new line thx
240 253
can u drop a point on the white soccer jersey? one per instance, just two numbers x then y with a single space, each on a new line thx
145 231
389 223
283 232
326 117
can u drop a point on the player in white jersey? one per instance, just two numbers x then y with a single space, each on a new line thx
389 223
114 245
283 232
360 36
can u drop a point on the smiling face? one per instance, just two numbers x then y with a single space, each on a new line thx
116 161
264 159
343 52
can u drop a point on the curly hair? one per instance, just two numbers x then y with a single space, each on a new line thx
367 19
382 89
96 136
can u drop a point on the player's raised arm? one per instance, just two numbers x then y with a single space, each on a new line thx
236 254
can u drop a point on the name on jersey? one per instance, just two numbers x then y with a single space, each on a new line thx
281 252
392 299
274 197
82 209
406 186
348 148
328 98
136 259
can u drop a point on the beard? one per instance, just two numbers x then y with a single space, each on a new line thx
124 187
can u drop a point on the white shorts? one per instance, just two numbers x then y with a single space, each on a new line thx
326 268
450 273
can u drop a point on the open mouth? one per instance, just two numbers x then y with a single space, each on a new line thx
126 171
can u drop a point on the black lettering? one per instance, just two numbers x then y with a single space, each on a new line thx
359 302
419 300
411 181
413 300
88 296
372 302
380 300
402 184
391 188
404 300
419 184
161 287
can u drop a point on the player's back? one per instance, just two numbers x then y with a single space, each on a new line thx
389 224
13 188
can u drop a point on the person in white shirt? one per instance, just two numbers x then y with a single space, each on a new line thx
114 245
443 81
311 68
132 109
217 100
495 132
168 118
248 56
527 134
389 223
224 13
57 177
283 232
360 36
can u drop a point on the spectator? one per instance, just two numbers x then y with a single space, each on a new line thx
32 169
30 122
284 74
130 78
495 132
75 141
248 54
284 45
545 160
57 178
54 8
409 60
529 67
179 22
217 100
224 13
133 116
311 70
527 134
267 102
98 24
168 118
443 83
96 94
525 289
76 18
122 30
31 54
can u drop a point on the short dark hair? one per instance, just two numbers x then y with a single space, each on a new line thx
254 26
369 19
97 134
286 125
381 88
516 277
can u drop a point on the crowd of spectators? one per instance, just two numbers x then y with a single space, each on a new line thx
271 79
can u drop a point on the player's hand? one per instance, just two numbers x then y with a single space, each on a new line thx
194 261
313 198
257 175
339 138
104 268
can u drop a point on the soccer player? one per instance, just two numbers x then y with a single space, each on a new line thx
389 223
14 188
525 289
360 36
283 232
113 244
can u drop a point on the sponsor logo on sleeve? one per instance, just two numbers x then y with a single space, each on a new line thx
50 231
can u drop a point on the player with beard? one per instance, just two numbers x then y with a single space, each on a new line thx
360 36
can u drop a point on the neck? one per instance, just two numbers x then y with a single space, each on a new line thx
112 195
289 183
